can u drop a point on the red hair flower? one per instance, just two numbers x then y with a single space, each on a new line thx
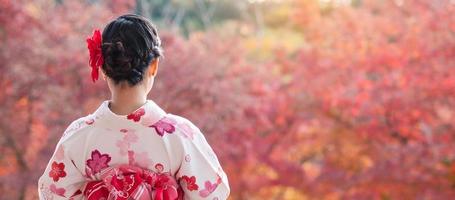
96 56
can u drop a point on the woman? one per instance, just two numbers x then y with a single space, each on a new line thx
130 148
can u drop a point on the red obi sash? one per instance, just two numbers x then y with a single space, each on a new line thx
128 182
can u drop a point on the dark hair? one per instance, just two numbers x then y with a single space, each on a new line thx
130 43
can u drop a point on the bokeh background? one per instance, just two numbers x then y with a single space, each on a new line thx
300 99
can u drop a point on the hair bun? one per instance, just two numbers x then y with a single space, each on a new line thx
131 42
118 62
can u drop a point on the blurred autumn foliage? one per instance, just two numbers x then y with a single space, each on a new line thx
303 99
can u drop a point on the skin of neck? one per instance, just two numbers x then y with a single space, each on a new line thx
125 98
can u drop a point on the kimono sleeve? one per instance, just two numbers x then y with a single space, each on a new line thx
200 174
61 179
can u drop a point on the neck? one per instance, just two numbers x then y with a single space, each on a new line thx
127 100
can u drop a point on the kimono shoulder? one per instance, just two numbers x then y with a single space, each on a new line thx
198 165
180 120
186 132
79 125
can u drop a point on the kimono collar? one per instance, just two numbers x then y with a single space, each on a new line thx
146 115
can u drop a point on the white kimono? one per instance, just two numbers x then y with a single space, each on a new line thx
148 154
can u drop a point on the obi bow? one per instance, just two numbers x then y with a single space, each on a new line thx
127 182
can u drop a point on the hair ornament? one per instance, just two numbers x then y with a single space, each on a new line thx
96 55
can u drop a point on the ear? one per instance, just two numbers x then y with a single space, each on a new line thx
154 67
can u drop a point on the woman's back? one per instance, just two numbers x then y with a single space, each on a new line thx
145 154
149 138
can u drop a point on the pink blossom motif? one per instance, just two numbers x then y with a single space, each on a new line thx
164 125
136 115
190 182
186 131
57 191
98 161
139 159
209 188
131 159
57 171
130 137
60 154
123 146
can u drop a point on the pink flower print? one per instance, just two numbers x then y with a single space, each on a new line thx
136 115
164 125
98 161
131 159
209 188
57 191
139 159
60 154
190 183
123 146
130 137
186 131
57 171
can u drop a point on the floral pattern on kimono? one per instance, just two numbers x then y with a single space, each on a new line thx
147 154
